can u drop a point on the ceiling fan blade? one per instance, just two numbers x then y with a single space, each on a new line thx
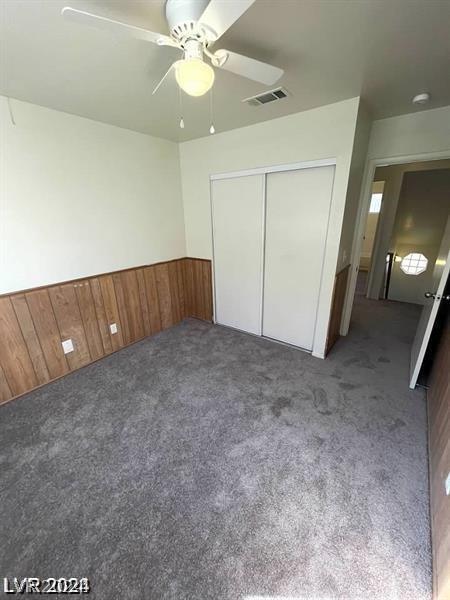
247 67
86 18
164 77
220 15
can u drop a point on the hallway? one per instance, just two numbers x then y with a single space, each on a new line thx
361 283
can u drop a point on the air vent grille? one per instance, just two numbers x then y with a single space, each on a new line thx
266 97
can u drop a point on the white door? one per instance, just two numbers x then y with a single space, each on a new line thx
297 214
429 311
238 227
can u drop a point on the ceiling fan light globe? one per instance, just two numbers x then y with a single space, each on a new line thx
194 76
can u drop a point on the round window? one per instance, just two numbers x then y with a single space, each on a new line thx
414 263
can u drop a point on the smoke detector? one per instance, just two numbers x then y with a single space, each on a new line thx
421 98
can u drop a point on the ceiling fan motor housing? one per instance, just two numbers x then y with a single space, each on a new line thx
193 49
183 19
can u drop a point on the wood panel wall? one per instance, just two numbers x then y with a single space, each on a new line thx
141 301
439 452
337 306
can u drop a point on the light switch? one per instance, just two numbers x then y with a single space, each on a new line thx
67 346
113 328
447 485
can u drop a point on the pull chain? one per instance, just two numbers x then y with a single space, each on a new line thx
211 113
180 103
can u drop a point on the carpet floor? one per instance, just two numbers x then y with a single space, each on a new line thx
206 464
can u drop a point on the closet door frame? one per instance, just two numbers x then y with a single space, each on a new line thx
307 164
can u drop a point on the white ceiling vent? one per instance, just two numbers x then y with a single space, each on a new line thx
266 97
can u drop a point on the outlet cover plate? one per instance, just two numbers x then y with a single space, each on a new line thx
113 328
447 485
67 346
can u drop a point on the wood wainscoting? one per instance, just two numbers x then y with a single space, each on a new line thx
337 306
438 397
142 301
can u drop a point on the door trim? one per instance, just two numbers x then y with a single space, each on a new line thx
263 253
306 164
363 210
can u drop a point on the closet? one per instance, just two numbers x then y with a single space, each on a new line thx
269 237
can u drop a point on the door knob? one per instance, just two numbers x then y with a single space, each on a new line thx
435 296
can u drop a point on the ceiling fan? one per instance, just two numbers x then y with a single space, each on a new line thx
194 26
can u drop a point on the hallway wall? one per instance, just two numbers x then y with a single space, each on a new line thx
414 133
370 231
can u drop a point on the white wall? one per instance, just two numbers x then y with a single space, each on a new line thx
80 197
369 237
370 231
415 136
415 133
325 132
358 160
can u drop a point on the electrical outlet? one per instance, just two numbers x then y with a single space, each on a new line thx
67 346
447 485
113 328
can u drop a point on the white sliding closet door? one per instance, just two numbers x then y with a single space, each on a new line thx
238 220
297 212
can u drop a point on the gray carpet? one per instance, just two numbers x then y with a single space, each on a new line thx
208 464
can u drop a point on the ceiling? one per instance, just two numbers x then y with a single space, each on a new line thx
385 50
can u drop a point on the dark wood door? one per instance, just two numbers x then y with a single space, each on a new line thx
439 440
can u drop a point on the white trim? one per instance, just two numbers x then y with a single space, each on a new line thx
306 164
213 275
315 351
287 344
263 253
363 210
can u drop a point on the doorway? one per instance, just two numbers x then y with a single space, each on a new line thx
405 261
